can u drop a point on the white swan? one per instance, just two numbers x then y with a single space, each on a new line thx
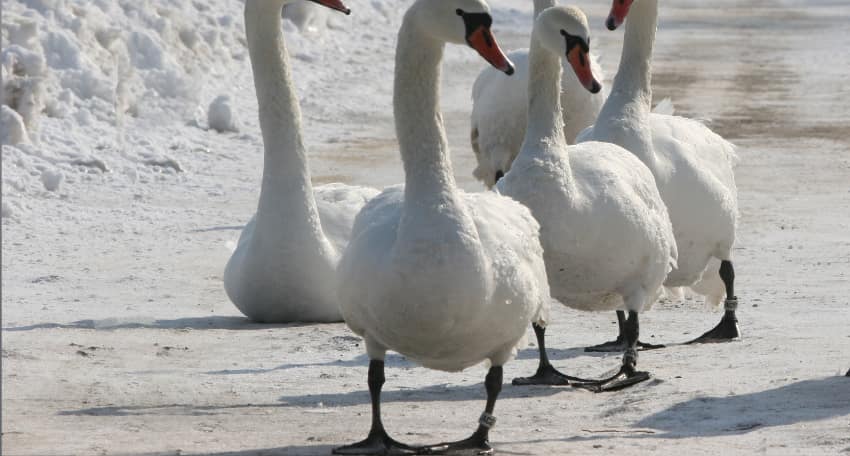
284 266
446 278
500 109
607 238
693 167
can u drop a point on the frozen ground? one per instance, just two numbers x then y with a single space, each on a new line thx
119 215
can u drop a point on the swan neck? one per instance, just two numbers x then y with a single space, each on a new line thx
542 5
419 124
286 187
545 121
634 77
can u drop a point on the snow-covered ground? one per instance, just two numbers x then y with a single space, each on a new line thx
121 205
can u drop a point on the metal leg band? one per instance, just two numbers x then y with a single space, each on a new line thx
487 420
731 303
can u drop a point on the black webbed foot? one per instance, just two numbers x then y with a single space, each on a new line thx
378 443
627 376
477 444
620 345
725 331
547 375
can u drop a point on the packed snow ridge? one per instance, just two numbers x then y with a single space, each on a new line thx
104 90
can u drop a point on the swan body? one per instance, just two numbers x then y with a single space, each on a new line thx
692 165
605 231
607 238
444 298
284 266
446 278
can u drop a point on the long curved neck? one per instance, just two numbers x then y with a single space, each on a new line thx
545 132
541 5
634 77
419 125
286 187
624 117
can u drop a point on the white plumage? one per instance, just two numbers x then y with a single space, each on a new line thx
692 166
446 278
284 265
451 293
500 113
607 239
500 110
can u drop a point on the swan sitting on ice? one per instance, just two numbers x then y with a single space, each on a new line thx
446 278
284 266
607 238
500 110
692 165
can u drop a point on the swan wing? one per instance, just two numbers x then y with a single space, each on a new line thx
338 206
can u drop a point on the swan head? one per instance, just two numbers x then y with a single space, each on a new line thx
619 11
461 22
563 30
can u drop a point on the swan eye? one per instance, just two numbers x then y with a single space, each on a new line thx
563 32
573 41
459 12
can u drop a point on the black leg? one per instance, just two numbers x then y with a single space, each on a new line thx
478 443
546 374
619 344
847 374
378 442
728 328
628 374
616 345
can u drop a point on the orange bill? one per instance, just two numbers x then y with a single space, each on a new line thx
334 5
619 11
483 41
580 61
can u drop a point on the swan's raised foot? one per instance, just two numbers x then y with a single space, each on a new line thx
620 345
725 331
377 444
847 374
547 375
475 445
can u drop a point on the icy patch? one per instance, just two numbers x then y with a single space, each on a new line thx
221 115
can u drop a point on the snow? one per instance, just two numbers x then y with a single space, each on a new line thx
220 115
120 208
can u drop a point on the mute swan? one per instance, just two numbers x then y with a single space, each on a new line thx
448 279
693 168
607 238
283 268
500 109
